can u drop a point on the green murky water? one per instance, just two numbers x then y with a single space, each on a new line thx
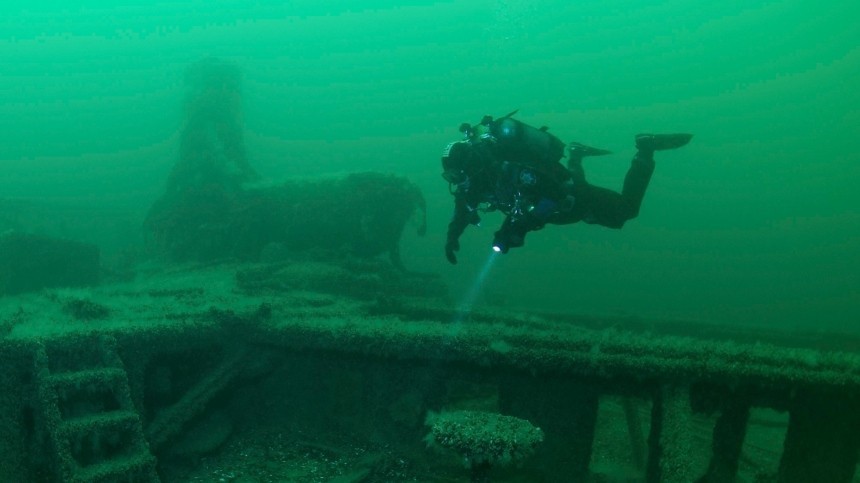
755 222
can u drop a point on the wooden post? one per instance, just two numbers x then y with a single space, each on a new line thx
638 449
729 432
669 458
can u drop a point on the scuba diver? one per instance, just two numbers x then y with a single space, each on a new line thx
508 166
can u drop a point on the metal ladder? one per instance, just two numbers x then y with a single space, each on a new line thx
83 398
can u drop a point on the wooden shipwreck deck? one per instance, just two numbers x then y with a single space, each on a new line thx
551 369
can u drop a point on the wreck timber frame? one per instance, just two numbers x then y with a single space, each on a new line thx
568 364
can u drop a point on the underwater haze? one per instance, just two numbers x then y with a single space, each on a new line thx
756 222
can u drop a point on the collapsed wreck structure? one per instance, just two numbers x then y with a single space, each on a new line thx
136 380
208 211
101 386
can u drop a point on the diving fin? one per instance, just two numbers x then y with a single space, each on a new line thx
579 150
661 142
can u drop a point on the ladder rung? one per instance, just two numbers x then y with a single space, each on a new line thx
105 376
116 468
115 420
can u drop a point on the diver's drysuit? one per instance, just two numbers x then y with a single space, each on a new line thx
509 166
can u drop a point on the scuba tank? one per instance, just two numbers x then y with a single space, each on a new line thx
518 142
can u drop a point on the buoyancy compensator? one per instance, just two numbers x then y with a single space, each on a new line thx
517 141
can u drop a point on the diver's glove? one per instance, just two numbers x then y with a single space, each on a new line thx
451 247
511 235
